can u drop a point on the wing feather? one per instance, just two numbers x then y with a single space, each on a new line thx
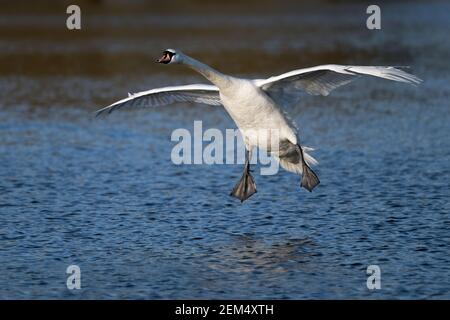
197 93
321 80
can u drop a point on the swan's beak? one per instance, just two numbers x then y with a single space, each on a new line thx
164 59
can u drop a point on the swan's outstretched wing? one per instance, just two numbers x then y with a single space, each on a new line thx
321 80
199 93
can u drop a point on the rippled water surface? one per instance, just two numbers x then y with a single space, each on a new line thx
102 193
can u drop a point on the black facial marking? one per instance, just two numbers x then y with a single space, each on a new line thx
169 53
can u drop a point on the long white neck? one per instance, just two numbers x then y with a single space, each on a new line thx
214 76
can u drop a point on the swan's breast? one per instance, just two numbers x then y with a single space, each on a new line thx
251 109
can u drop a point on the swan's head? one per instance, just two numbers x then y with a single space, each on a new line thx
170 56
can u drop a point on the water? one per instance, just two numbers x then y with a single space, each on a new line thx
103 193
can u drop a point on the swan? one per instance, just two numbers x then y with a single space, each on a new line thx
255 104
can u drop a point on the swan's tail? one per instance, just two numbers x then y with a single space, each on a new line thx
309 179
298 167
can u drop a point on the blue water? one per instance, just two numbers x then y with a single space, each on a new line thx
103 194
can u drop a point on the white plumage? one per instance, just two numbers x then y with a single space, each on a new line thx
254 105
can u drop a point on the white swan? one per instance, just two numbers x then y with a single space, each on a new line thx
254 105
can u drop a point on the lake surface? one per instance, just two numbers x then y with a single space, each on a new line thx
103 194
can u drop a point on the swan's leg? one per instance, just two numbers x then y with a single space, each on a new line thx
294 155
246 186
309 179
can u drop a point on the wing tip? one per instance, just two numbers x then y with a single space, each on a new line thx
97 113
406 76
102 111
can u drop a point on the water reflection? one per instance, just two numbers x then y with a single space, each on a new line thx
247 254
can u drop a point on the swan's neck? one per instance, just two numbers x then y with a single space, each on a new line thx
214 76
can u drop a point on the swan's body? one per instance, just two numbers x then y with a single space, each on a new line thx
243 98
254 105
